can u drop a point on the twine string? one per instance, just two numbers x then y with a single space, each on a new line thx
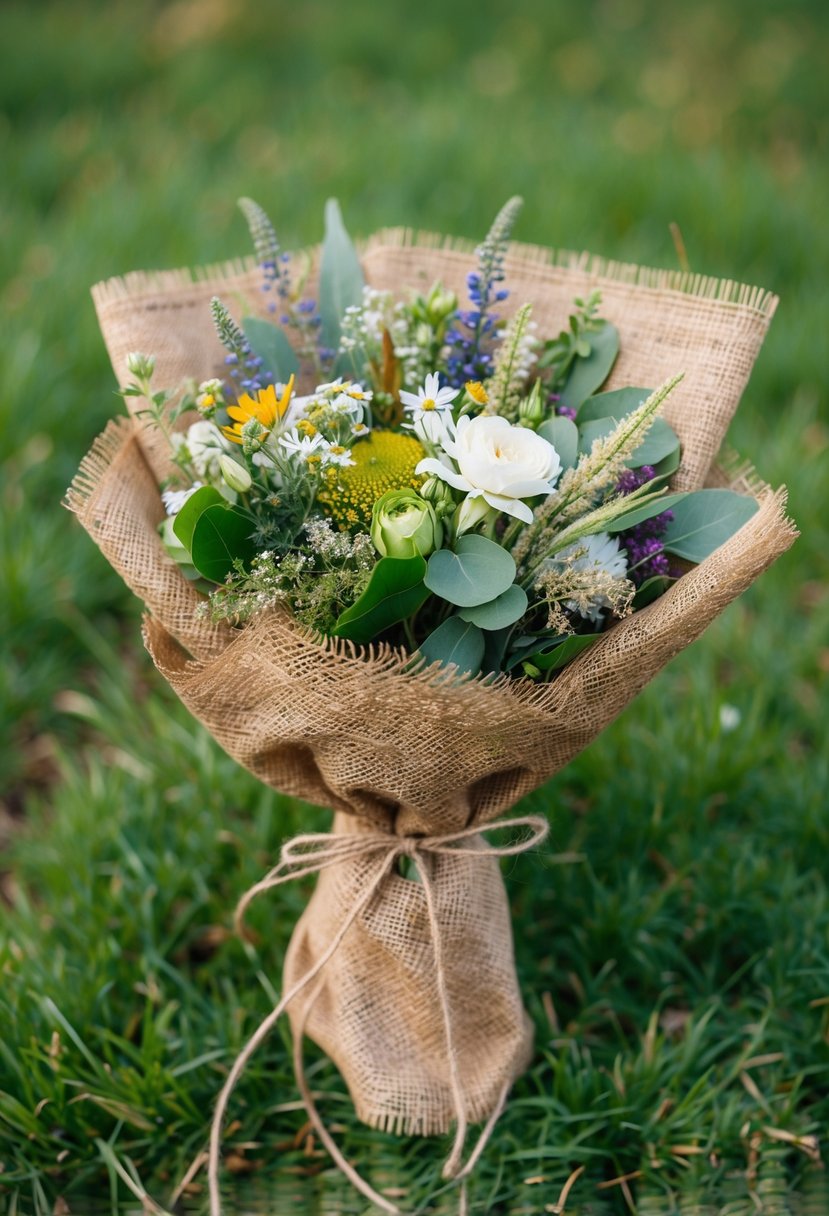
309 854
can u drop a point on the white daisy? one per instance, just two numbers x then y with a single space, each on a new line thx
301 445
335 453
429 398
174 500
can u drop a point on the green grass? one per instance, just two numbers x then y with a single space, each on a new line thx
679 920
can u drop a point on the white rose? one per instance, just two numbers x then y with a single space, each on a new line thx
498 462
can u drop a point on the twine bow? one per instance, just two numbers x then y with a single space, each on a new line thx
310 854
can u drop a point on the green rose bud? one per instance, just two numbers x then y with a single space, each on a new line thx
403 524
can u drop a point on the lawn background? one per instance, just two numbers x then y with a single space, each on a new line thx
673 942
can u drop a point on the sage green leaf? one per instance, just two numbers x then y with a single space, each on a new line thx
660 442
586 375
455 641
273 348
395 590
505 609
564 652
185 521
341 275
618 403
563 434
668 465
477 571
647 511
221 535
651 590
704 520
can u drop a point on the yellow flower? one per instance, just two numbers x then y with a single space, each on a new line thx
267 409
384 461
477 392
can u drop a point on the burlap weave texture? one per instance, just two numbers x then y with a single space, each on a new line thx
420 752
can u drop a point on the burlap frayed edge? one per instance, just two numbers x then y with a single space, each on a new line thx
100 457
139 283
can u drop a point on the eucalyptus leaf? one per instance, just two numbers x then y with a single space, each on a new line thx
477 571
704 520
618 403
505 609
341 275
455 641
586 375
563 434
661 441
185 521
521 647
668 465
395 590
273 348
647 511
221 535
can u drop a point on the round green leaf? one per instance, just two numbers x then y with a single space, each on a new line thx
221 535
477 571
185 521
455 641
660 442
505 609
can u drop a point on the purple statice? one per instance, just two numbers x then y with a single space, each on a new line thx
470 340
644 541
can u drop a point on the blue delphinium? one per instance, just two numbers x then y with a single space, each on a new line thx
470 341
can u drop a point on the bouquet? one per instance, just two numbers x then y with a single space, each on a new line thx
405 559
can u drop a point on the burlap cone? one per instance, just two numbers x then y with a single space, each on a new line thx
422 753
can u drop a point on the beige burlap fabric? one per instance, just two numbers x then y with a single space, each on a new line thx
426 752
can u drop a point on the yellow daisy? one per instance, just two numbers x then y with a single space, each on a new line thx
266 408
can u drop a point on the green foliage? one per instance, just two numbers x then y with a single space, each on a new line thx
505 609
563 434
272 346
341 275
704 520
222 537
395 590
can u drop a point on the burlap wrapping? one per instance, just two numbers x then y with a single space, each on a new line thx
422 752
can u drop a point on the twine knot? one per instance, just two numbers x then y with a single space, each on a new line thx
312 853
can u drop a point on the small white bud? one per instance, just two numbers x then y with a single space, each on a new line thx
235 475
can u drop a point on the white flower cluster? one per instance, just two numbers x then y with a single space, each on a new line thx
363 324
201 445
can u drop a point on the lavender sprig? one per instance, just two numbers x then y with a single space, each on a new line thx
644 542
244 367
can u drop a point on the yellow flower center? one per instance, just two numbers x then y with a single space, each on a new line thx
306 427
428 404
386 460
